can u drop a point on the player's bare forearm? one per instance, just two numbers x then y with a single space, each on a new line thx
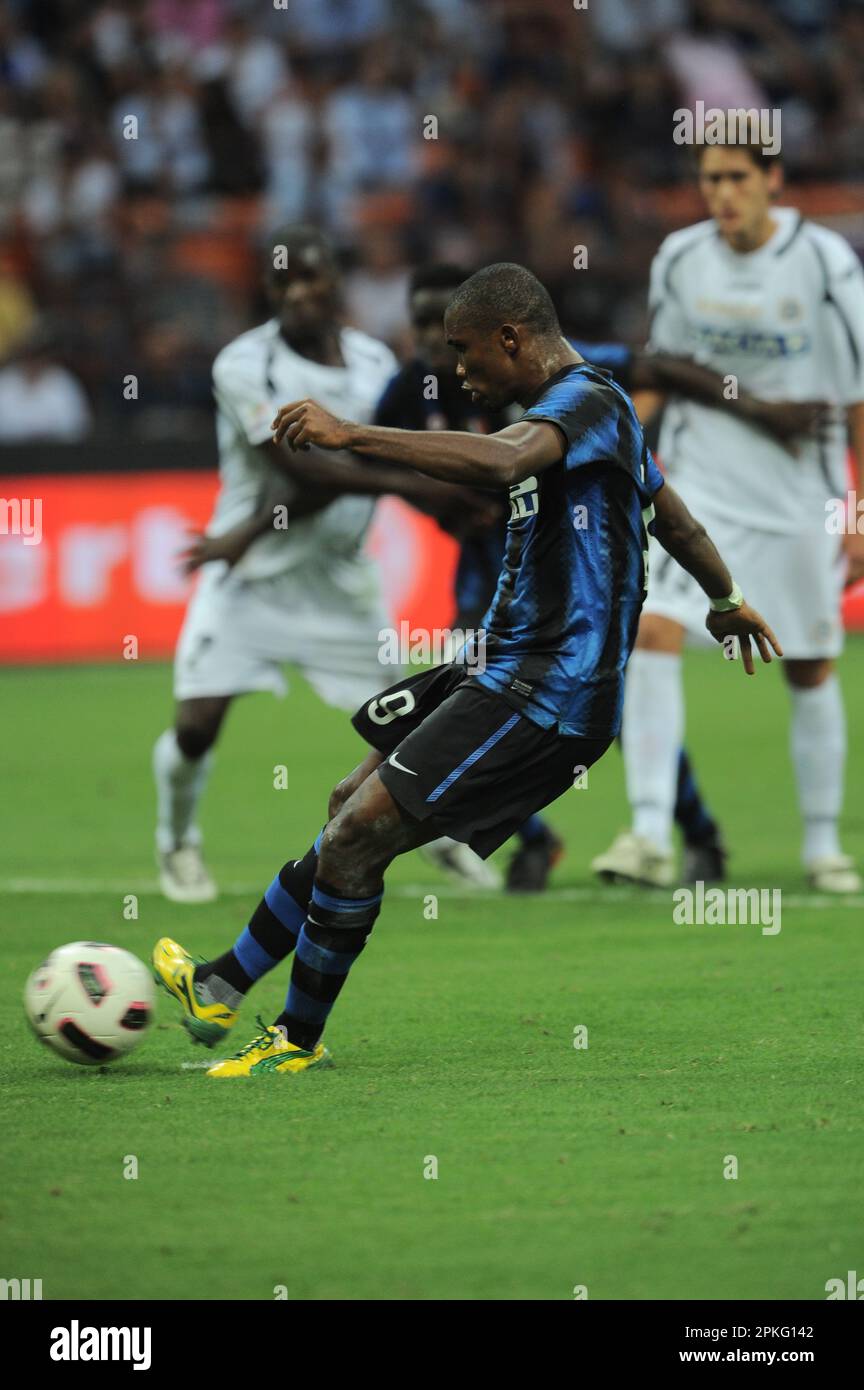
783 420
688 542
452 456
282 497
668 373
358 478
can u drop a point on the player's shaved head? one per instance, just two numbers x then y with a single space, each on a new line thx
301 244
504 328
303 285
504 293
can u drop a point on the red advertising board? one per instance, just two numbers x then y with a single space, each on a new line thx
95 561
102 563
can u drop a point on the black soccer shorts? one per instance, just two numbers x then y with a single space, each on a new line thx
464 760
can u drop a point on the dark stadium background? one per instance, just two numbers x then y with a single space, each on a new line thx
137 258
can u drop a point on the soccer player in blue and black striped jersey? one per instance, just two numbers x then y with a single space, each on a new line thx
425 394
457 750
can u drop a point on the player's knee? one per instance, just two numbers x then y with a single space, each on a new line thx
351 841
657 634
807 675
339 795
195 738
197 724
345 789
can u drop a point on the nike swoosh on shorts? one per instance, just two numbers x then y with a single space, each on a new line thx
393 763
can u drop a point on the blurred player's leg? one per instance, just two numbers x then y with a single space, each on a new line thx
539 851
704 851
182 760
651 737
460 863
818 743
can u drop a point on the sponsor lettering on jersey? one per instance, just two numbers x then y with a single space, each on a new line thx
524 499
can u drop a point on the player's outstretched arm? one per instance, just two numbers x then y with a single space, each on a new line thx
452 456
688 542
785 421
326 476
278 494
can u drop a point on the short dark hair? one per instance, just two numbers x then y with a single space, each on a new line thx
505 293
296 239
439 275
752 148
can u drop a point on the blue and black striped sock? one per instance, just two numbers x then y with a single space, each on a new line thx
273 927
691 813
330 941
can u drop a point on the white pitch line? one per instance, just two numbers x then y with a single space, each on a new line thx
590 895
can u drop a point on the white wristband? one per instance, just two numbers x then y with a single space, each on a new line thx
726 605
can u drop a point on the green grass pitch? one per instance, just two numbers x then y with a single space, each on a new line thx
557 1167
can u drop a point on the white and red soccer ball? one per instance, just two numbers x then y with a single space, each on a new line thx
90 1002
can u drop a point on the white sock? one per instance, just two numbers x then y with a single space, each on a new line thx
651 737
180 782
819 757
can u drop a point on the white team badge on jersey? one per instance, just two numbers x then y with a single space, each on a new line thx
524 499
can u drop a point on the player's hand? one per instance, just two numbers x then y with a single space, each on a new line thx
203 549
853 549
788 421
744 623
306 422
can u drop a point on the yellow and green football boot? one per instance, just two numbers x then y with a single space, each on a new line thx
174 970
270 1054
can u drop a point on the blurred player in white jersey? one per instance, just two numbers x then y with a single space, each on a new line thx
777 302
304 593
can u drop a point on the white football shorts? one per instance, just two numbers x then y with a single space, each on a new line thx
795 582
238 634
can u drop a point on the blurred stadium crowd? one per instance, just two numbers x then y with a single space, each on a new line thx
550 128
